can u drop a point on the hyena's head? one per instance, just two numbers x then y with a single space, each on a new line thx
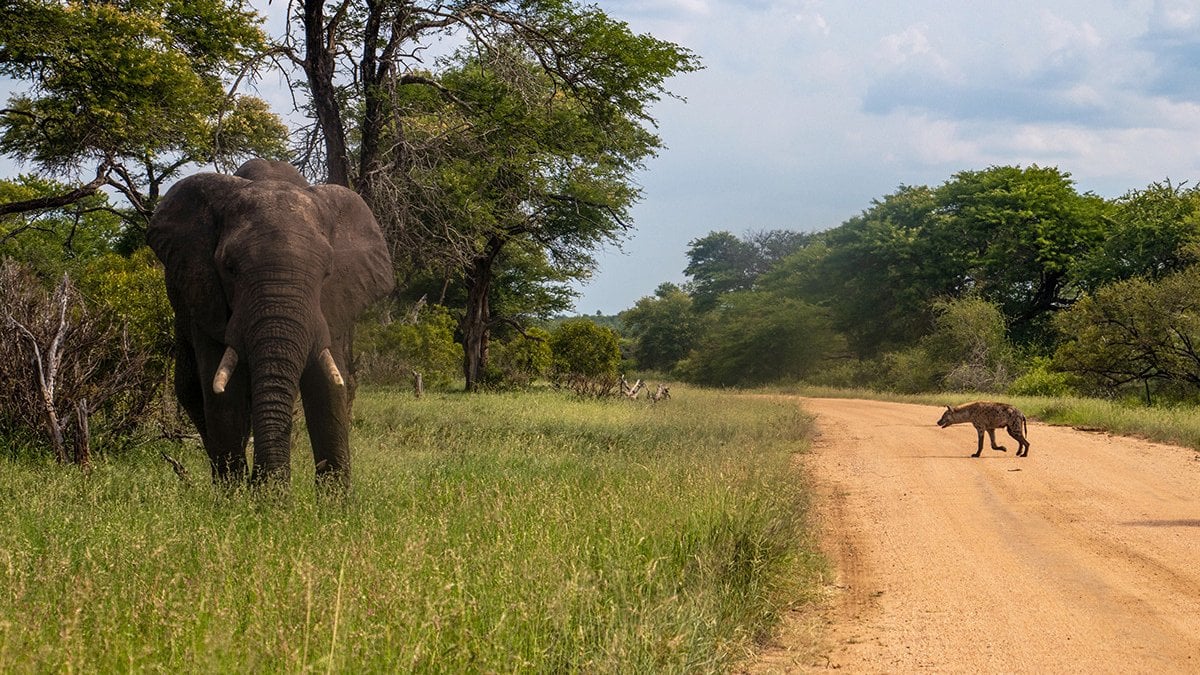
947 418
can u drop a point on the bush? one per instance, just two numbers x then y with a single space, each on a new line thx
1042 380
970 346
68 372
586 357
389 351
519 361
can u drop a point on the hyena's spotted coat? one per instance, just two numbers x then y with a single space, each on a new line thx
989 416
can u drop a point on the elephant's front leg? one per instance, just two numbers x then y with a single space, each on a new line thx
224 421
327 413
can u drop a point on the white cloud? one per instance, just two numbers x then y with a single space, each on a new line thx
1175 15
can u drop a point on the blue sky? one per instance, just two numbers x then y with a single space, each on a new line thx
809 109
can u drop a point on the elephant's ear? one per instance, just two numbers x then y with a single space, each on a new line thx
183 234
362 267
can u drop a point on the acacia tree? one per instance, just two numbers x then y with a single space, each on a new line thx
136 90
529 168
1135 332
1022 232
528 136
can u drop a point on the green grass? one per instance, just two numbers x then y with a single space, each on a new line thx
522 532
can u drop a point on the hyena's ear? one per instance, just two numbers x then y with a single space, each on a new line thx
949 408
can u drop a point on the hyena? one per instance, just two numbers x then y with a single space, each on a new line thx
989 416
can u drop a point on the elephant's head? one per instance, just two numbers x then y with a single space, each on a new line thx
270 272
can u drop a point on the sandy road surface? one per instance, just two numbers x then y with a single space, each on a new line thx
1082 558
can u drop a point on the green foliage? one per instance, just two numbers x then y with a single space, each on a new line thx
141 84
389 351
664 328
908 371
485 534
131 292
586 357
1040 379
754 338
881 271
1149 233
516 180
1135 333
521 360
720 263
1022 232
59 240
969 345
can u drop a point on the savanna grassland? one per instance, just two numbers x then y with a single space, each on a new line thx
532 532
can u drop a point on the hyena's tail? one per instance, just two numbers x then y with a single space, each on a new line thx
1025 427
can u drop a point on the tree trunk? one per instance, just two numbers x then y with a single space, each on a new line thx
372 74
475 330
476 322
319 67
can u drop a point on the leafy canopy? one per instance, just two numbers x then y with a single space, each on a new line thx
133 86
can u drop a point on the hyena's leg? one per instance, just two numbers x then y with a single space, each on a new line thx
992 436
1015 432
979 450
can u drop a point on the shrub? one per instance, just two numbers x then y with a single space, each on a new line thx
586 357
390 350
969 346
68 372
519 361
1042 380
755 338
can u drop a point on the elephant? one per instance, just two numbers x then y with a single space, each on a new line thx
267 275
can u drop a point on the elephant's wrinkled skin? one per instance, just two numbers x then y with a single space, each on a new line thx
267 275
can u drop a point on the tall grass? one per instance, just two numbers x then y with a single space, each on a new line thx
526 532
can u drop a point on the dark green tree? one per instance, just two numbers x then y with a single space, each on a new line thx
1021 232
880 272
753 338
1148 233
586 357
518 173
1138 333
720 262
664 328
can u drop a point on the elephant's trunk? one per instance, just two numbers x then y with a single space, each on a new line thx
278 347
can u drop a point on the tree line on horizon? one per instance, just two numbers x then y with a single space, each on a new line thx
1006 279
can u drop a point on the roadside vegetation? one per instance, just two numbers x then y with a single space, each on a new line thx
531 531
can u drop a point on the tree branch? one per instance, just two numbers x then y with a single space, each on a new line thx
59 201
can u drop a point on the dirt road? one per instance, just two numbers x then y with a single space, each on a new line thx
1082 558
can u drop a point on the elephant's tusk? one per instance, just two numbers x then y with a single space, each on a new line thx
327 362
225 370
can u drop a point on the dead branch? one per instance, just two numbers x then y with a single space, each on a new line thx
177 466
